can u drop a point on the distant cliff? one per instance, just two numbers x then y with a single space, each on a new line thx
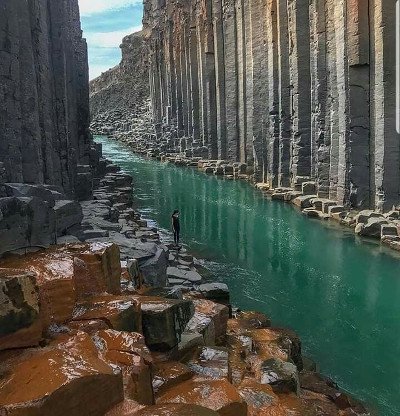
299 90
126 86
44 95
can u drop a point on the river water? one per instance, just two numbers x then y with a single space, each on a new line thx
341 294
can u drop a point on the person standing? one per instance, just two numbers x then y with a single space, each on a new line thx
176 227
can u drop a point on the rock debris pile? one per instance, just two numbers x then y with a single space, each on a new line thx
115 322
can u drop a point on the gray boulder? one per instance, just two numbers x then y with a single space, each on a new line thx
68 213
282 376
154 269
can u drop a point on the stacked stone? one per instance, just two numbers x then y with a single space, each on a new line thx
299 91
44 94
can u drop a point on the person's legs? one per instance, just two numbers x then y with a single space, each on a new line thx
175 237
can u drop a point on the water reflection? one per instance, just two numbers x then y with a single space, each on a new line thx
341 295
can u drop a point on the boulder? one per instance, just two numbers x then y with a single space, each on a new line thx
28 190
20 324
164 321
169 374
372 228
218 313
209 362
25 222
121 313
154 269
67 213
128 351
214 291
97 269
303 201
66 378
282 376
217 395
259 397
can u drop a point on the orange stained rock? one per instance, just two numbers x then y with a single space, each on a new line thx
66 378
61 281
121 313
218 395
169 374
128 352
292 405
97 269
89 326
176 410
136 375
126 408
269 344
217 312
258 397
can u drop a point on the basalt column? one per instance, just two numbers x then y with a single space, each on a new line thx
299 90
44 98
385 172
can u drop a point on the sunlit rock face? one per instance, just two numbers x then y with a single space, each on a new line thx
299 91
44 94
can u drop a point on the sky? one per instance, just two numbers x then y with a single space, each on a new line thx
104 24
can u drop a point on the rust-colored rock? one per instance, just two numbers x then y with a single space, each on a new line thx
258 397
66 378
65 273
89 326
20 324
169 374
218 395
126 408
97 269
176 410
219 315
128 351
121 313
210 362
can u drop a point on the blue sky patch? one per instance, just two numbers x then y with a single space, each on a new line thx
105 23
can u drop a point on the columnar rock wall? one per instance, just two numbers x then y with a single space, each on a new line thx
44 93
299 90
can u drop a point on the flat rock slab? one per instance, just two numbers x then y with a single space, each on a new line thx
182 274
121 313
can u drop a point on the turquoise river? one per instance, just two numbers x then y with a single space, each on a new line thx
341 294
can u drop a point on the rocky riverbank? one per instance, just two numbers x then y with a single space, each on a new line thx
142 138
128 326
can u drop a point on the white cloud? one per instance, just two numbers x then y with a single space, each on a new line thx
109 39
89 7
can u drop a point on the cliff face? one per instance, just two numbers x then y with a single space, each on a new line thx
125 86
298 90
44 97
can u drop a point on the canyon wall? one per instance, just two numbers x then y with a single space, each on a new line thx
125 86
44 93
299 90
